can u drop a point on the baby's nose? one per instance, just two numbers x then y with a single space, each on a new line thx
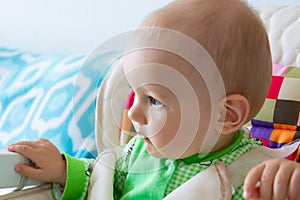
137 113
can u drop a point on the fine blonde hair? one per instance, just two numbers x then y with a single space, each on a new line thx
233 36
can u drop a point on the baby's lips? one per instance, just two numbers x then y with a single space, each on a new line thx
141 136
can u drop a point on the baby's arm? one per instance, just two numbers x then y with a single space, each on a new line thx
277 178
49 163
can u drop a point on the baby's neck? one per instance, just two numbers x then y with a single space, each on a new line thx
223 142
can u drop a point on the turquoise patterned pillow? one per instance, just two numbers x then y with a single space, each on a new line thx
49 96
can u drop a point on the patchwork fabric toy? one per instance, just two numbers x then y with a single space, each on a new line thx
278 122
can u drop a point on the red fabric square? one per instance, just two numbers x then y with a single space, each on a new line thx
130 100
264 141
275 87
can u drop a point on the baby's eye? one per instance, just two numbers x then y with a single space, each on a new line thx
155 102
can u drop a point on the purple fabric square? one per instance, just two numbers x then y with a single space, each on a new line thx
255 122
261 132
274 144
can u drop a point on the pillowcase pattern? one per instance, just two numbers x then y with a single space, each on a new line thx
50 96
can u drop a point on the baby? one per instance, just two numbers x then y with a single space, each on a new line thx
188 107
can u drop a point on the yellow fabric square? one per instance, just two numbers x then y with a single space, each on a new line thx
290 89
267 111
293 72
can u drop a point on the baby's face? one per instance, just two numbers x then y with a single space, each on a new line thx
155 115
169 99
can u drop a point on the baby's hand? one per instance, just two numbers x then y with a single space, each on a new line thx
49 164
273 179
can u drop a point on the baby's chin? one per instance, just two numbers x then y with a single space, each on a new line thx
160 154
154 152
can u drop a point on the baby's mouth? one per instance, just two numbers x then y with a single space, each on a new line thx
146 139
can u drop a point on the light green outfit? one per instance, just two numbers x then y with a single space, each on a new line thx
139 175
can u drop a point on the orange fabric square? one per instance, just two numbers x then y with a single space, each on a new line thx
282 136
126 123
285 127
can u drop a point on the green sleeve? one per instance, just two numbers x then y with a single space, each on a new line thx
78 176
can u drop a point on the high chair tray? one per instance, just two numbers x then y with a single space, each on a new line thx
8 177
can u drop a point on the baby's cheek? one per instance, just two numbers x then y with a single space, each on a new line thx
166 136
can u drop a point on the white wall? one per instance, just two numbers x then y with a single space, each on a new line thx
70 26
273 2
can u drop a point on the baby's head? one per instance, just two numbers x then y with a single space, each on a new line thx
237 42
232 35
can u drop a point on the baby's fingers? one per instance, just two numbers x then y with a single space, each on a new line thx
293 191
32 144
23 148
29 171
251 180
267 181
281 181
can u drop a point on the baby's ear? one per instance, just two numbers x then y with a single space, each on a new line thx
235 113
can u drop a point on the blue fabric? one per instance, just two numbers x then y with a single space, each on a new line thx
50 96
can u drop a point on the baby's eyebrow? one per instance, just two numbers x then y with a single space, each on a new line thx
159 95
